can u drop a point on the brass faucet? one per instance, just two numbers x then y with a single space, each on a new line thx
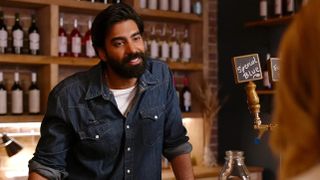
254 107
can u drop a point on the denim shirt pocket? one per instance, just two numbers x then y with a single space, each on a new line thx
152 124
94 132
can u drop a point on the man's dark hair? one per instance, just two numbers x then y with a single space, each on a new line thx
108 17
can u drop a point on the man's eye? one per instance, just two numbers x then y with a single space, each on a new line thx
137 38
118 44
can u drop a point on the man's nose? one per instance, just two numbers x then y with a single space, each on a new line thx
131 48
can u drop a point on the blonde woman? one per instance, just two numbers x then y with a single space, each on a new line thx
297 101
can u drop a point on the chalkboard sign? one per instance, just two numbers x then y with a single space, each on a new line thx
247 68
274 69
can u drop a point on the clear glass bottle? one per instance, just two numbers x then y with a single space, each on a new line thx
234 167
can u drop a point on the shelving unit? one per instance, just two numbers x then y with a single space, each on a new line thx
51 68
269 22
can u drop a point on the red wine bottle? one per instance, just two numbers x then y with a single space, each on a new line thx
17 96
34 95
17 34
75 38
185 96
3 35
62 39
3 96
34 37
88 49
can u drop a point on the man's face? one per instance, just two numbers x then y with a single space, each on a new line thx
124 50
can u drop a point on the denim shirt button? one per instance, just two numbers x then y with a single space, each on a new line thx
128 171
129 149
128 127
97 136
156 117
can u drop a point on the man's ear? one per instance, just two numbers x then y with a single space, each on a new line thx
101 54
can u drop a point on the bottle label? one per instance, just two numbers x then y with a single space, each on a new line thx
34 38
62 44
3 38
17 102
175 51
175 5
76 45
3 102
17 38
34 101
164 50
154 49
263 8
89 49
187 99
186 52
186 6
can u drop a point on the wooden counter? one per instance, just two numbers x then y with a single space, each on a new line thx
211 173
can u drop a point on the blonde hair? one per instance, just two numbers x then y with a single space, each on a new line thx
297 99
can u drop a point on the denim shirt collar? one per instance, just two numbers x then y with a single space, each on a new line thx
97 87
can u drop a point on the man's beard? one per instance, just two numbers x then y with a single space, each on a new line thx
124 69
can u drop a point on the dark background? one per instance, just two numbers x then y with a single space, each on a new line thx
235 125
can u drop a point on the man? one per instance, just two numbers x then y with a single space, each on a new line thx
117 119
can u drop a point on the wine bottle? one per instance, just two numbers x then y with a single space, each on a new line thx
290 7
17 34
88 41
186 6
34 37
263 9
164 5
164 44
185 96
34 95
115 1
152 4
3 35
154 45
266 80
278 8
175 5
143 4
174 46
3 96
186 48
75 38
62 39
17 96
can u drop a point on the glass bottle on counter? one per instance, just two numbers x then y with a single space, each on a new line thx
186 47
62 39
3 96
3 35
17 34
89 50
75 38
34 95
185 96
234 167
34 37
16 96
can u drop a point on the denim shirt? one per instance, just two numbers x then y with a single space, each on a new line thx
85 136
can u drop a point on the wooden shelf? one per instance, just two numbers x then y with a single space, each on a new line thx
20 118
186 66
192 115
169 16
270 22
265 92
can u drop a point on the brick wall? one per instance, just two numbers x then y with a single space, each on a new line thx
213 60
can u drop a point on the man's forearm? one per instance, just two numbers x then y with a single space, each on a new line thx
182 167
36 176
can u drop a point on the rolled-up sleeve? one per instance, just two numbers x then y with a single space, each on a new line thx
176 142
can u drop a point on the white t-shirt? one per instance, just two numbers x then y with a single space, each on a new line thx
124 97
